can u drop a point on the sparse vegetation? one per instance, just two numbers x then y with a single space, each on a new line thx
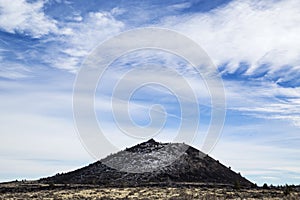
287 190
265 186
41 191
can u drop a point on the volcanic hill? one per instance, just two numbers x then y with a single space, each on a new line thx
151 160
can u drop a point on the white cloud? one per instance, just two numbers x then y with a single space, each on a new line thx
26 18
12 70
257 32
95 28
117 11
264 100
179 6
79 38
70 42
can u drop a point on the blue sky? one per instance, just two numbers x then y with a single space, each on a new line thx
254 44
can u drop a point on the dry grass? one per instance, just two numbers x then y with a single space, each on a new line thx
12 191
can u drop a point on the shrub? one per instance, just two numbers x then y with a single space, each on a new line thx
286 190
237 185
265 186
51 185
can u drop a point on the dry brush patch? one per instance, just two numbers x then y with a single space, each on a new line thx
64 192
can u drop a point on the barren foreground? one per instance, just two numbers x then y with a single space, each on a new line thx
39 191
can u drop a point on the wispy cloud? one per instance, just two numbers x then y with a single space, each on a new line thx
12 70
23 17
82 37
60 44
255 32
180 6
256 46
265 100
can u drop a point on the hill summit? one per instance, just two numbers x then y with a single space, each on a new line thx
151 163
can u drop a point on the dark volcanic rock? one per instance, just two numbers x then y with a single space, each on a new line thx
155 162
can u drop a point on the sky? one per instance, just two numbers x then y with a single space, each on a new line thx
255 46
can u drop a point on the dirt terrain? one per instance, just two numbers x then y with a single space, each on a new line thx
32 190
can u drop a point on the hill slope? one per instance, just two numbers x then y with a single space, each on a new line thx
192 166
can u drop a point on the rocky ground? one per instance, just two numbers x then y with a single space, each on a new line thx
44 191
